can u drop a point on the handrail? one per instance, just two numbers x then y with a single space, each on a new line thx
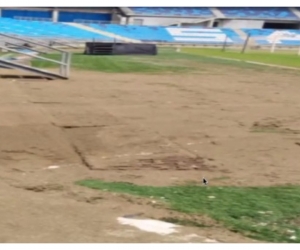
60 43
64 62
34 56
27 41
22 46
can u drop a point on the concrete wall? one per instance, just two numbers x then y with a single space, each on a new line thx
159 21
240 24
118 19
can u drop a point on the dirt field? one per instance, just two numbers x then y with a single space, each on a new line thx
233 127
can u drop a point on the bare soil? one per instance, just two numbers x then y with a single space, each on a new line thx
144 129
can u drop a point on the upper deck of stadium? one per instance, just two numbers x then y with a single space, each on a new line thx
150 23
221 12
266 13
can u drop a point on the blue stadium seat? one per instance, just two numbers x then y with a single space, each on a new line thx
46 29
289 43
204 35
264 37
258 12
232 35
173 11
170 34
258 32
144 33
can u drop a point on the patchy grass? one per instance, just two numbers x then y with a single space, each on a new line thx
183 222
166 61
274 130
282 59
265 213
121 64
272 127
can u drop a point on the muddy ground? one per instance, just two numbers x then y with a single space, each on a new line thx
233 127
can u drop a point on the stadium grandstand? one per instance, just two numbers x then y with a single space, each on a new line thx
196 25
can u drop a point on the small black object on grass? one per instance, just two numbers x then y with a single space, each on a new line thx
205 182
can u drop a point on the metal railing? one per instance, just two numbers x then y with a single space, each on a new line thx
64 63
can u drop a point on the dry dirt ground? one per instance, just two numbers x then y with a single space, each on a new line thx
233 127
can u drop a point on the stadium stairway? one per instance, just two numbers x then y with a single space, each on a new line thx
295 11
104 33
242 34
19 57
12 61
127 11
217 13
14 65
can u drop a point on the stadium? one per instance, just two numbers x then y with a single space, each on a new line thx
149 125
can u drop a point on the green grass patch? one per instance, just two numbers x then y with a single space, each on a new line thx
282 59
167 60
120 64
265 213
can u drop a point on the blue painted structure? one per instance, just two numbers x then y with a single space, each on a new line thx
171 34
46 29
266 36
233 12
229 12
195 35
67 16
258 12
26 13
173 11
144 33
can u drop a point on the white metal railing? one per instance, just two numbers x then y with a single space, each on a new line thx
64 63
